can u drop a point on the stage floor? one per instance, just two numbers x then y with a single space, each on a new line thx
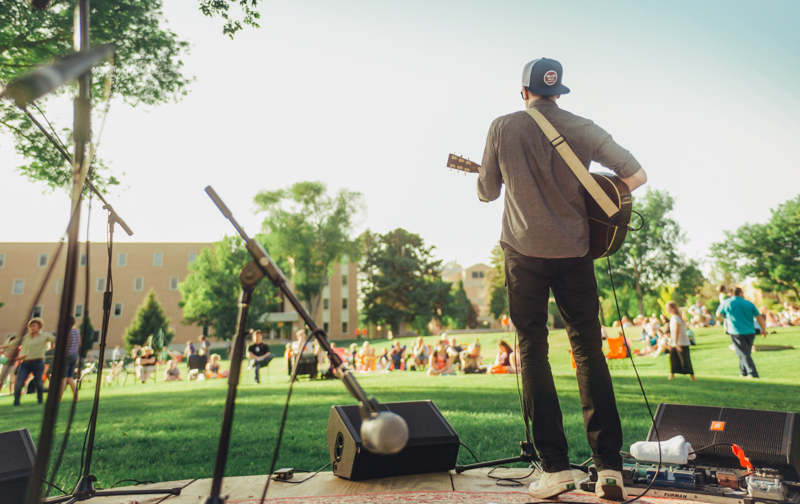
470 487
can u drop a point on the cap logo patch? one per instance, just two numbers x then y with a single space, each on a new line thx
550 77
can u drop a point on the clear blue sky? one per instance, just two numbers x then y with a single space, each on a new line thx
372 96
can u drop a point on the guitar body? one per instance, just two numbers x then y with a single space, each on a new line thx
605 235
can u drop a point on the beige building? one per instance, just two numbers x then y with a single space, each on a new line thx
136 268
474 285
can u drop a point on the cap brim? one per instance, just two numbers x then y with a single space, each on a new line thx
549 91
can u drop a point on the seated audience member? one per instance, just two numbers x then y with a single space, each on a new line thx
397 356
352 356
662 344
442 360
471 360
515 361
172 373
420 353
189 349
213 368
626 322
197 364
503 359
382 360
367 357
259 355
146 363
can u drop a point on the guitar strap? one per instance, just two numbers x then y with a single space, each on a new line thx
580 171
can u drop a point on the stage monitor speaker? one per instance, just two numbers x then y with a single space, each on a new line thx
432 443
768 438
17 456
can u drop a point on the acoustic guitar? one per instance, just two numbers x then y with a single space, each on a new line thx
606 235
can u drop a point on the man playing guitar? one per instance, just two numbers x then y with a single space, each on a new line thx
545 239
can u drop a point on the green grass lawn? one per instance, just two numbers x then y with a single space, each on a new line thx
169 431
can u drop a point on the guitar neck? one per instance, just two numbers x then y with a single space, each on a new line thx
462 164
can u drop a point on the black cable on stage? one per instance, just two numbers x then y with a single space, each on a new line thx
514 482
57 488
470 451
133 480
285 413
630 356
304 479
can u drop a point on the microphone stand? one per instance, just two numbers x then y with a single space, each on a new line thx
261 266
82 133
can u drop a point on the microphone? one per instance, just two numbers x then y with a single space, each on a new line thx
38 83
385 433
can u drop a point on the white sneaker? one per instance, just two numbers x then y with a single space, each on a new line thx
551 484
610 486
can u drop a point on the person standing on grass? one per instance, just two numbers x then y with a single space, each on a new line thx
31 355
545 240
73 349
739 314
679 360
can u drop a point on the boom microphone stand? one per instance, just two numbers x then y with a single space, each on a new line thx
392 430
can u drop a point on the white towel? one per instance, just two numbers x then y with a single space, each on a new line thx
673 451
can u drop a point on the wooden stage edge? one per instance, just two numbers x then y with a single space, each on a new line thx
326 484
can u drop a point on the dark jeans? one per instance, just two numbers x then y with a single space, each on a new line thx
257 365
744 344
529 281
25 369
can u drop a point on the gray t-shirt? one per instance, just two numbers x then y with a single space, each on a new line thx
545 213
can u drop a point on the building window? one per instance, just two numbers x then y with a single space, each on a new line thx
344 280
78 313
192 257
481 274
122 259
173 283
19 287
344 327
96 336
474 274
325 327
59 285
138 284
326 303
344 303
158 259
117 309
43 260
82 261
100 285
37 311
2 260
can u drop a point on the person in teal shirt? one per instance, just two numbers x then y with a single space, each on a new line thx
739 314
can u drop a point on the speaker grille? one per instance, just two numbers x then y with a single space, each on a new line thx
17 456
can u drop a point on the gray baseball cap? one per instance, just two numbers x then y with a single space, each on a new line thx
543 77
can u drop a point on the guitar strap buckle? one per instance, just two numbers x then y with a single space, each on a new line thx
557 141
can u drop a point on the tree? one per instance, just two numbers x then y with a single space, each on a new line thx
496 284
690 281
769 252
401 280
462 313
649 257
312 231
147 67
211 290
149 318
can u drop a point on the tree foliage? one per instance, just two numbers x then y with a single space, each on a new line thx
149 318
401 280
312 230
769 252
496 284
147 65
649 258
212 288
462 314
147 69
